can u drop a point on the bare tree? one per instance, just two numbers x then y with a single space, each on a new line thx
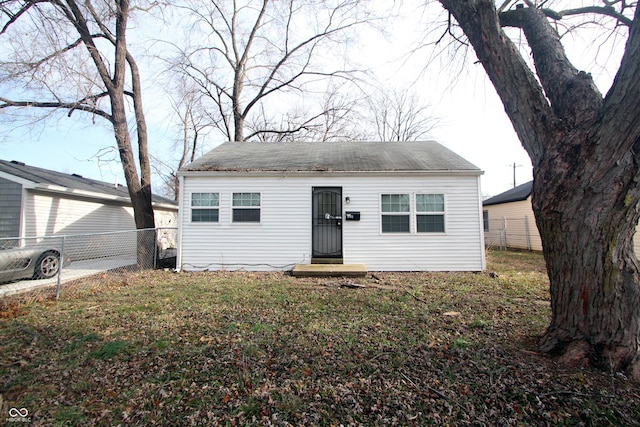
242 53
331 117
400 115
585 150
193 122
73 56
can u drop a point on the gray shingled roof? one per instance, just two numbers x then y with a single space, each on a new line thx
46 177
516 194
331 157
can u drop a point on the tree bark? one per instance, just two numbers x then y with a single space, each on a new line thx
587 220
139 189
584 149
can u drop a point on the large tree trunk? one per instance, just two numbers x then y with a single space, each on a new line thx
139 189
587 218
584 149
140 195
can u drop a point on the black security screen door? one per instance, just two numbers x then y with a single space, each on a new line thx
327 222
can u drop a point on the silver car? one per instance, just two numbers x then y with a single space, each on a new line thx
29 262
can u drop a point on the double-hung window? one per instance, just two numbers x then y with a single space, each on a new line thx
430 213
205 207
246 207
396 213
401 211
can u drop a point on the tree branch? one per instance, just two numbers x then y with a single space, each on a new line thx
598 10
13 17
622 98
77 19
307 124
521 94
37 64
313 41
71 106
563 83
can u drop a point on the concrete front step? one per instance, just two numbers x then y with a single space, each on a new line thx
330 270
327 260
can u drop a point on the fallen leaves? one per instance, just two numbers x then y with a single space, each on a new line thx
266 349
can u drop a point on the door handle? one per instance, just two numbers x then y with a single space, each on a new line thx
329 216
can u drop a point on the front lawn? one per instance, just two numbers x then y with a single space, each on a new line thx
221 348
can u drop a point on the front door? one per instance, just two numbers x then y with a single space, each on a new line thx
327 222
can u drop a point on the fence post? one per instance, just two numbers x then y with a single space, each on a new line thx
504 233
155 247
526 228
60 264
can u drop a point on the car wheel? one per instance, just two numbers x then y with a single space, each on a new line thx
47 266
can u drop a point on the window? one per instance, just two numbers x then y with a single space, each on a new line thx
396 213
246 207
204 207
430 213
485 219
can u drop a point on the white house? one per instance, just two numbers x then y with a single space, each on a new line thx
40 202
509 221
394 206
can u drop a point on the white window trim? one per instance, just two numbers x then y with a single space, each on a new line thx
191 207
443 213
246 207
413 213
408 214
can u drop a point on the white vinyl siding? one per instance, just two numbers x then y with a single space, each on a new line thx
48 214
283 236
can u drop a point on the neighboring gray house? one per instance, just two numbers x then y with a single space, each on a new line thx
403 206
41 202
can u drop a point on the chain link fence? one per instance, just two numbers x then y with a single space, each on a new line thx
32 262
512 233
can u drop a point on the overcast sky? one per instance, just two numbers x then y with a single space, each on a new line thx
471 119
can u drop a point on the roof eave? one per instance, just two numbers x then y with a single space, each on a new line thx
94 195
203 173
502 202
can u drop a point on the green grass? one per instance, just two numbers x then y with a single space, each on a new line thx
110 350
268 349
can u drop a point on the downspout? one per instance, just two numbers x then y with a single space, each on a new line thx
180 220
22 227
481 226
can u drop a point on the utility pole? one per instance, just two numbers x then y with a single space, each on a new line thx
514 173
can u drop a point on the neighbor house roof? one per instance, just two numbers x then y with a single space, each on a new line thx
516 194
331 157
48 180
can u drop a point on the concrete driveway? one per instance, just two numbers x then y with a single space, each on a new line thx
75 270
